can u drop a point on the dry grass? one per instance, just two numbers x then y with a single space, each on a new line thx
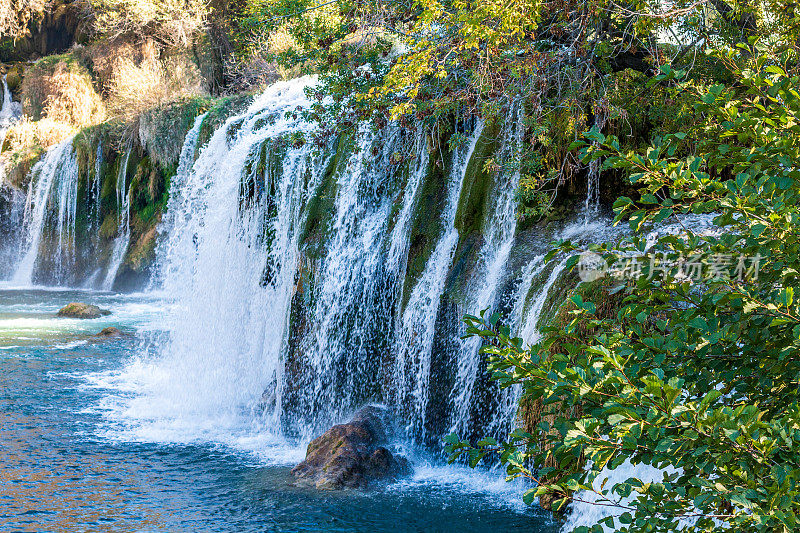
26 141
61 89
16 14
134 88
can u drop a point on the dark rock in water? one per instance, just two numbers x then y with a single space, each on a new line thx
79 310
351 455
110 332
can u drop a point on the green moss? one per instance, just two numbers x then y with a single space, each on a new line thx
222 109
471 213
162 130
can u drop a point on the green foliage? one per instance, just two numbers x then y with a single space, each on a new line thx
698 377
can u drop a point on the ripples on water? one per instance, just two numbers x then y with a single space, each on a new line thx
76 454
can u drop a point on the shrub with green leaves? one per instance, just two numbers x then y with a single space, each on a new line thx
696 375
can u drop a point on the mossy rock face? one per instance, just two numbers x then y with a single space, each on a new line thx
82 311
14 77
143 250
477 187
321 206
222 109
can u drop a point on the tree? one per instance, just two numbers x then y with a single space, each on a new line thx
697 376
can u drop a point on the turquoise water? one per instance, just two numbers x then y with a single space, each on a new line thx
77 453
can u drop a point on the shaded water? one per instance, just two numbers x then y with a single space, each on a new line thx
69 461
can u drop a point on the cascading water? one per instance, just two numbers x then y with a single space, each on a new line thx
11 202
287 269
417 324
344 351
9 113
228 266
178 206
122 241
54 181
499 234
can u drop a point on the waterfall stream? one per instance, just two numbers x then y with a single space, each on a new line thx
54 181
123 239
11 203
9 113
417 324
302 280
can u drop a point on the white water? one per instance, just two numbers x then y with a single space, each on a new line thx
178 206
499 232
123 238
9 113
57 171
417 328
353 310
227 323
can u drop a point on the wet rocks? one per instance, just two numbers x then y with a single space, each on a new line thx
109 333
352 454
83 311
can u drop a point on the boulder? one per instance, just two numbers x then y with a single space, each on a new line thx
110 332
352 454
79 310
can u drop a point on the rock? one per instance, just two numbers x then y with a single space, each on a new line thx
351 454
110 332
79 310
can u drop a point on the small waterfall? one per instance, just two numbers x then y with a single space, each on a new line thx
9 113
178 207
11 203
529 327
57 171
592 203
122 241
416 333
347 348
499 235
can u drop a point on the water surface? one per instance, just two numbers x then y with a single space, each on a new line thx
76 453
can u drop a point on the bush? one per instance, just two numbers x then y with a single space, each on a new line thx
134 88
60 88
171 22
26 141
697 373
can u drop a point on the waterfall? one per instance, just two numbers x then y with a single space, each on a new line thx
57 171
9 113
417 329
228 266
11 205
122 241
297 288
345 350
592 203
499 233
179 209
